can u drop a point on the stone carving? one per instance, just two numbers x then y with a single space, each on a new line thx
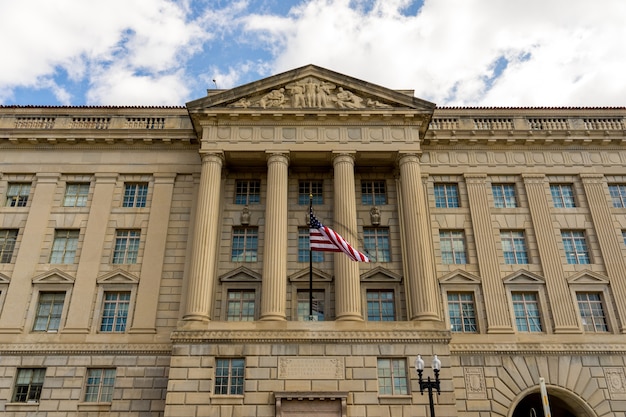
311 368
375 216
310 92
245 216
615 380
475 383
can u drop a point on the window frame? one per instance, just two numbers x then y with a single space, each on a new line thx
138 200
463 282
27 400
4 238
513 246
461 310
79 196
242 289
617 192
589 282
393 377
19 199
559 199
371 192
127 250
63 260
245 248
452 250
250 186
500 199
315 187
578 255
323 300
108 395
380 290
540 311
303 236
61 316
229 383
382 243
446 197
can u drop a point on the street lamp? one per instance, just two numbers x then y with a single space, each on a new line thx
428 384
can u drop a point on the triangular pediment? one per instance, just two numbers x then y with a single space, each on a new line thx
459 277
241 274
4 279
523 277
310 87
119 276
54 276
303 276
588 277
380 274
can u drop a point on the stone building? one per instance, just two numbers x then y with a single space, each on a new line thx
154 260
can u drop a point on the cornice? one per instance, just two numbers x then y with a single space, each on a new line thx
84 349
537 348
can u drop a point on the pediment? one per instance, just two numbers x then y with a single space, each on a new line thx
588 277
459 277
54 276
380 274
4 279
241 274
119 276
303 276
523 277
310 87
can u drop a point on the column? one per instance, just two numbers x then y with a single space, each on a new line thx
347 279
496 302
421 282
274 291
205 240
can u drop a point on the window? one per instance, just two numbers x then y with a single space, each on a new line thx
446 195
126 246
452 247
99 387
526 309
318 305
592 312
49 310
17 194
376 244
248 192
245 243
624 236
8 237
135 194
380 305
462 312
392 377
307 188
575 244
303 247
504 195
76 195
241 305
229 376
563 195
618 195
373 193
514 246
64 247
115 311
28 385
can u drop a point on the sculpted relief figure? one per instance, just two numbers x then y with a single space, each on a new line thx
297 94
275 98
324 90
347 100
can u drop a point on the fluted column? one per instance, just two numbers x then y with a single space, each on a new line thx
274 292
421 282
204 252
347 280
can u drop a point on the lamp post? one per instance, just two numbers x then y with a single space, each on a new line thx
428 384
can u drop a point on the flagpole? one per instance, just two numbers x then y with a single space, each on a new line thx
310 261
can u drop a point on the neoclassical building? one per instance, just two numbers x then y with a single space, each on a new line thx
154 261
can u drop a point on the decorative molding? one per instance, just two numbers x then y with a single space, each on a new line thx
588 277
241 274
459 276
475 385
84 349
537 348
54 276
119 276
523 277
380 274
303 275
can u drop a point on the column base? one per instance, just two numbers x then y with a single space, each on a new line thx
273 317
350 317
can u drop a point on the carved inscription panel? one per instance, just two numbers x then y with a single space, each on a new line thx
311 368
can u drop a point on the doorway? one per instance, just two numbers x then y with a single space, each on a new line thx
562 404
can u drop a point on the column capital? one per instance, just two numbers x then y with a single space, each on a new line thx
407 157
592 178
475 178
47 177
106 177
164 177
533 178
277 156
343 156
208 156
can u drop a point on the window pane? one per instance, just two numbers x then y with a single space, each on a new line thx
452 243
135 194
318 305
17 194
575 245
446 196
303 247
462 312
76 195
245 243
592 312
8 237
373 193
618 195
307 188
115 311
241 305
64 247
392 377
563 195
229 376
376 244
49 310
514 247
504 195
526 309
380 305
248 192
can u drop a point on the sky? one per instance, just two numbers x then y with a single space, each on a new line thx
536 53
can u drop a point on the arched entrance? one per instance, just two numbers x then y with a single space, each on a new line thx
563 403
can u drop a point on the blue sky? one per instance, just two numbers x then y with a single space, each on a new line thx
451 52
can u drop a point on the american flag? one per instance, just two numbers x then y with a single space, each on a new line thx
325 239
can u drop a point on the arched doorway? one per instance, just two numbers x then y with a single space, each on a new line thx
563 403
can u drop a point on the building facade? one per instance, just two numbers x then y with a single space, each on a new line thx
154 260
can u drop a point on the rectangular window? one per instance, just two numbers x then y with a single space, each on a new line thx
49 310
126 246
446 195
303 247
135 194
618 195
462 312
248 192
563 195
229 375
28 385
307 188
380 305
318 305
376 244
99 388
624 236
241 305
504 195
592 312
8 237
373 193
64 247
452 244
392 377
245 244
76 195
575 244
514 246
17 194
115 311
526 309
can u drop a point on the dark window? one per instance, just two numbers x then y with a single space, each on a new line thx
248 192
308 188
8 237
229 375
446 195
115 311
380 305
376 243
28 385
17 194
49 310
135 194
100 384
373 193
